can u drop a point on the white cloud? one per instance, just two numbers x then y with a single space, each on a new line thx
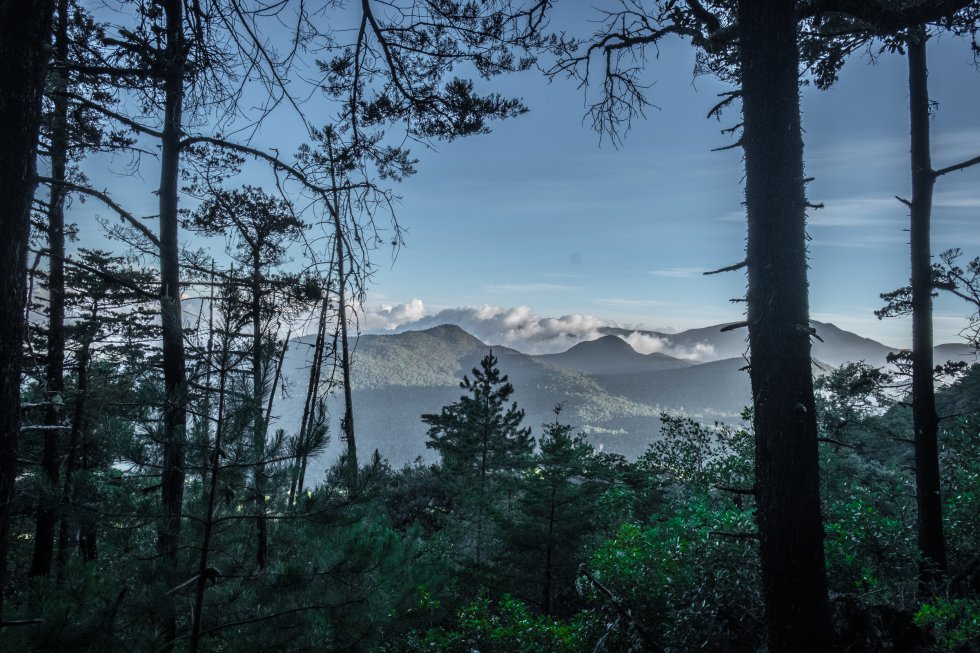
959 200
521 328
518 326
646 343
387 317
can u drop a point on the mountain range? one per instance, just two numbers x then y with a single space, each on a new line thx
607 390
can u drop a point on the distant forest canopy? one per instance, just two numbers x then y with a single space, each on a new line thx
154 498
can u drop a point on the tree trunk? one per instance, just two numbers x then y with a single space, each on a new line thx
786 467
171 316
258 427
204 430
347 423
71 461
47 515
215 462
88 536
174 364
316 368
25 29
302 475
925 420
549 547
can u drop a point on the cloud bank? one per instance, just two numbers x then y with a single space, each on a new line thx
522 329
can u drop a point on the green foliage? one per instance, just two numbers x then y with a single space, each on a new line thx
955 623
848 397
960 443
686 582
507 626
868 549
692 457
555 514
481 434
483 448
497 548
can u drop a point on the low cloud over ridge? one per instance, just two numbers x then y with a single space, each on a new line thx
522 329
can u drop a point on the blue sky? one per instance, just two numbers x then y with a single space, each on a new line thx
539 220
537 214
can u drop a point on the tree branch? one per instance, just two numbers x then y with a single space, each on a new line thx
275 161
728 268
733 326
108 201
959 166
129 122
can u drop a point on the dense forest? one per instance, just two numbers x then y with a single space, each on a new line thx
151 498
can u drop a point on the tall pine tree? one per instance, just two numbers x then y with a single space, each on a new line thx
482 446
557 512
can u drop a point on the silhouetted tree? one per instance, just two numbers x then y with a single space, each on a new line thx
25 37
916 300
260 229
481 445
757 46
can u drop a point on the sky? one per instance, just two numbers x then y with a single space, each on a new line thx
540 216
541 225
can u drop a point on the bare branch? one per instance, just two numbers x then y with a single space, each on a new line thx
732 146
108 201
959 166
733 326
275 161
729 268
129 122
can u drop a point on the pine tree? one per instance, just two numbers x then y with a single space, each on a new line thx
554 516
482 446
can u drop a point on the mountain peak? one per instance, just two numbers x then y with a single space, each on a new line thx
610 354
604 344
450 334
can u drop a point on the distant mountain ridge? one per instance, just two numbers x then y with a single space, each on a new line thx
831 345
607 389
611 354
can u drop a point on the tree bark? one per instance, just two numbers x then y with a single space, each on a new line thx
174 64
25 30
47 515
174 362
258 426
549 547
786 466
347 423
312 389
71 461
925 420
215 463
88 535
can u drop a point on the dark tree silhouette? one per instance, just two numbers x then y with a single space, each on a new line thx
787 472
756 46
55 364
916 300
260 229
25 32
